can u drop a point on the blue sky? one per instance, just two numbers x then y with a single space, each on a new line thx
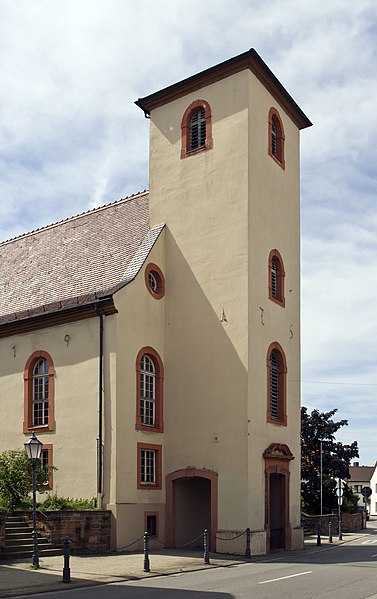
71 139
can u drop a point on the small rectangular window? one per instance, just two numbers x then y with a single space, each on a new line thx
147 467
152 525
149 457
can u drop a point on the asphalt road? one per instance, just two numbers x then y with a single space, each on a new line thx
346 571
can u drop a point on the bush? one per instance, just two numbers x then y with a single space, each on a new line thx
53 502
15 480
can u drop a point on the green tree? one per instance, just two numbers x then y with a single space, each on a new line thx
336 459
16 479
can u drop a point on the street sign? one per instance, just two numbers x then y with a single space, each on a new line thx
366 492
339 488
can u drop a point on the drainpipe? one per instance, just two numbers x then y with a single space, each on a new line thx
100 410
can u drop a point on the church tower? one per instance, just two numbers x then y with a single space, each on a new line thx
225 180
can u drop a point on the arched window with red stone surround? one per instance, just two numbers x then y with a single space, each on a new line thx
39 393
276 385
276 137
149 390
276 276
196 128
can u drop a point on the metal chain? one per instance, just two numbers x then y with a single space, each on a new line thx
228 539
130 544
179 546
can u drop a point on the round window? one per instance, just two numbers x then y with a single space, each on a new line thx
155 281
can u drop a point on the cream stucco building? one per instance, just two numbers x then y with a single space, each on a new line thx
153 344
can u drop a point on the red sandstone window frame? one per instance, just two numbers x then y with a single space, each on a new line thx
157 450
185 128
276 150
158 425
278 296
47 447
156 290
282 385
152 514
28 424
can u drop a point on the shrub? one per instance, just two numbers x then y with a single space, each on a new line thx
15 479
53 502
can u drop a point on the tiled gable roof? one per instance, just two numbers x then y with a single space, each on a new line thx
360 473
76 260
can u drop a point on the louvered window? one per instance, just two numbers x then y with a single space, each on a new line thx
276 276
274 385
147 391
274 272
40 393
274 138
198 129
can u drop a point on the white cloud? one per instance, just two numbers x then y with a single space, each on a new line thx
71 138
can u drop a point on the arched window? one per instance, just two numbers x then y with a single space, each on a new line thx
149 390
276 137
276 385
39 392
276 276
196 128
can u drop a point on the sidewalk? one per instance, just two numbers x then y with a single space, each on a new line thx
19 579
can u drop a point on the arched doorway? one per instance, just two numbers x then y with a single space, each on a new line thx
191 505
278 530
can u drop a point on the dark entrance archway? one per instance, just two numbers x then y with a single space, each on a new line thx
278 529
191 505
276 516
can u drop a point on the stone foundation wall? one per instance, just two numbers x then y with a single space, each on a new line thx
350 523
86 530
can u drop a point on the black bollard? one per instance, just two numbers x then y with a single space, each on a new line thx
66 569
340 530
330 532
205 546
248 552
146 553
318 533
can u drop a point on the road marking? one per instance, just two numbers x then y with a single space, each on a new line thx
285 577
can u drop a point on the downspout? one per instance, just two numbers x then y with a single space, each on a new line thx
100 410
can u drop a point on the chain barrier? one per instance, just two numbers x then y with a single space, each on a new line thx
183 545
229 538
130 544
179 546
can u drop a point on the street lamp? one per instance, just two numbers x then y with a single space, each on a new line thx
33 449
321 473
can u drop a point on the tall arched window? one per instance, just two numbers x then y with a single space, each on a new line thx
196 128
276 385
39 392
276 137
149 390
276 276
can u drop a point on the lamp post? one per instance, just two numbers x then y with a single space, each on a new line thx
321 474
33 449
